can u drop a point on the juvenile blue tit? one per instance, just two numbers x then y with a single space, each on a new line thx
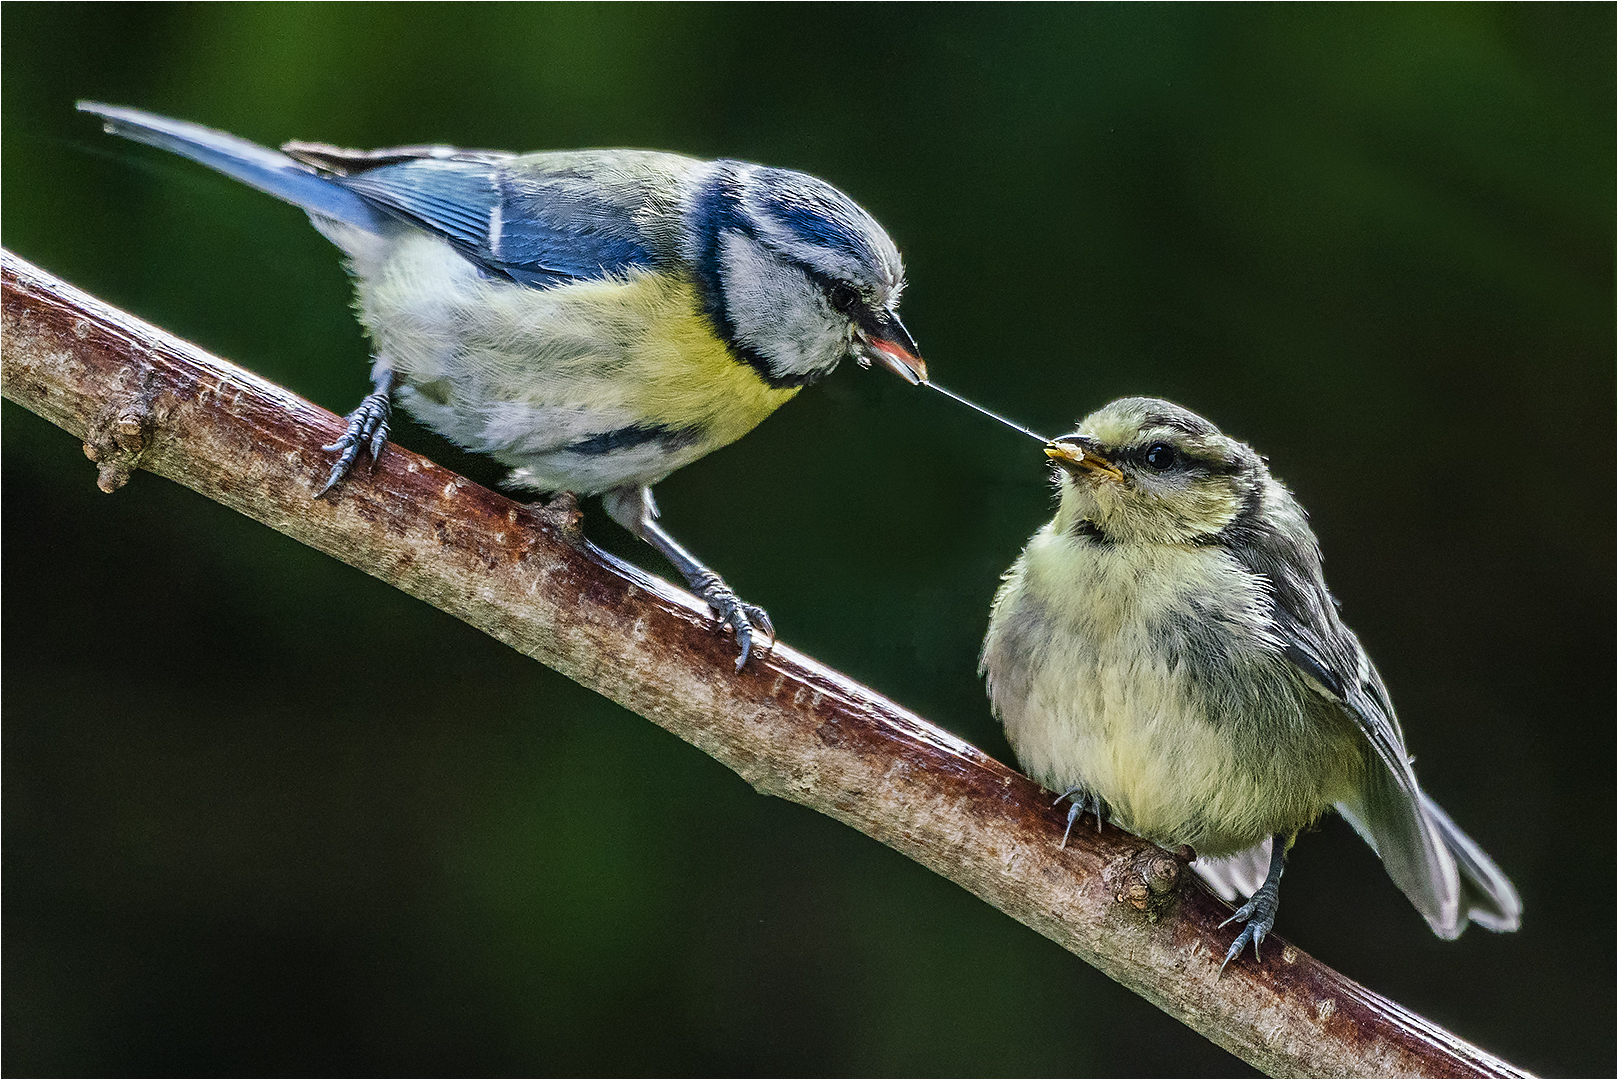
1167 652
594 319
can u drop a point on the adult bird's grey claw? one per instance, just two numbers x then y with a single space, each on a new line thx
367 431
636 510
731 610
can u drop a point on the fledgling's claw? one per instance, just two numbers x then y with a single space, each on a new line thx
367 431
731 610
1082 800
1259 914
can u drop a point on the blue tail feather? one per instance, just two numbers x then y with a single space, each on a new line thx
268 170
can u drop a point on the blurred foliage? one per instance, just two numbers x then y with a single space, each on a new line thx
263 814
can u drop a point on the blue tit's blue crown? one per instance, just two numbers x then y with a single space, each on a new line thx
796 221
817 215
825 232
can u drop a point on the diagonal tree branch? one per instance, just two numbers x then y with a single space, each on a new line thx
142 399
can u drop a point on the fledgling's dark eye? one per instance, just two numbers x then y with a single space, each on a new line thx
1160 456
842 297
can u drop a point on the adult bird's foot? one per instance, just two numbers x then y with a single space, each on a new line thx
367 431
1259 915
732 611
1082 800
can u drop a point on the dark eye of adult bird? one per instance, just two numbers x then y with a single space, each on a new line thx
1160 456
1171 656
594 319
843 297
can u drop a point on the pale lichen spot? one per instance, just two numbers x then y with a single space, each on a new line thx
1325 1008
1289 955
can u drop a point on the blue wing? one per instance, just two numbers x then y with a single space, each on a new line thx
534 226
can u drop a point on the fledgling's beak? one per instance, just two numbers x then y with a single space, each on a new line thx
885 340
1081 455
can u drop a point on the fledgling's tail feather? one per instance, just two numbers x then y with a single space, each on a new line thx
1447 876
1487 896
1388 815
268 170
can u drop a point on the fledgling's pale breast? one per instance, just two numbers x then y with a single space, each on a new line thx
1130 653
1126 672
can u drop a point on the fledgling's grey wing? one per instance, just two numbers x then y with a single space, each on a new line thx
537 219
1389 811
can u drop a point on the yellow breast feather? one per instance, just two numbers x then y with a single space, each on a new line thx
686 375
624 350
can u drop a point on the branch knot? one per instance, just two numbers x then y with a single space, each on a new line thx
117 442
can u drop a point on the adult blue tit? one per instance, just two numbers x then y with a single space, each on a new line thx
1166 651
594 319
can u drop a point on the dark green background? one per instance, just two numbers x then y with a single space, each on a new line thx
265 815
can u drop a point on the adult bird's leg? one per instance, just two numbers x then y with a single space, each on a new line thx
1259 911
367 429
634 509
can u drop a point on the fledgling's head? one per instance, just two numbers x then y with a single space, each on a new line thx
1142 470
797 276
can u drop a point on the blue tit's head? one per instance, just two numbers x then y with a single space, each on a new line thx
796 276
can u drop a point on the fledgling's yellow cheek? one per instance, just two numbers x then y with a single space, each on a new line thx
1129 510
1207 509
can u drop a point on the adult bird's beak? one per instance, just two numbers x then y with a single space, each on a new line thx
1080 454
886 341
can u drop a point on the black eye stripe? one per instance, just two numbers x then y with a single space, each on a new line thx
1184 461
841 295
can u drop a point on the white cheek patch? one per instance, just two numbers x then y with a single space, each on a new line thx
778 310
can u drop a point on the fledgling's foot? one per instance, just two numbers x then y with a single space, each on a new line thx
1082 800
1259 914
367 431
732 611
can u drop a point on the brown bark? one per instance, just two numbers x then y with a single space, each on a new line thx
141 399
